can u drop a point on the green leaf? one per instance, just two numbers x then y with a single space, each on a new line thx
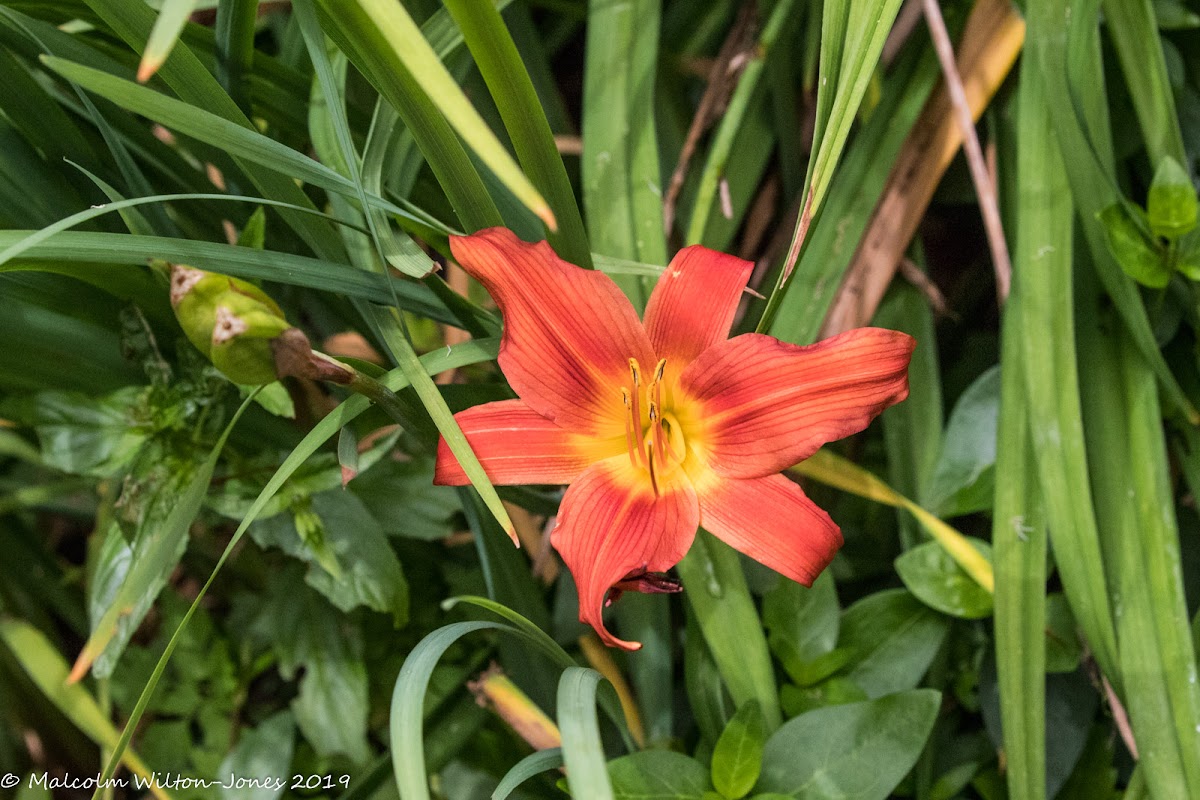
738 755
801 622
370 573
82 435
657 775
532 764
859 751
46 668
1130 244
963 479
511 87
1171 204
715 588
939 582
583 753
172 16
265 750
401 36
331 708
894 638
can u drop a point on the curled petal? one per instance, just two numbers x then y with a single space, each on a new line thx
694 302
771 520
515 445
759 405
612 525
568 332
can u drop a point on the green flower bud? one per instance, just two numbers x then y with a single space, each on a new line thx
243 331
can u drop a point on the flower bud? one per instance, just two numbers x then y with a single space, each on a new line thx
243 331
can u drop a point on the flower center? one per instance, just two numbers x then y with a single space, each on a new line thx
655 441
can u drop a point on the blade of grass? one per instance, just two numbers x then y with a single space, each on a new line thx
1134 31
1019 555
716 590
243 262
396 30
582 750
533 764
1067 40
369 49
322 432
406 358
172 16
622 182
188 77
835 236
1043 258
833 470
1128 465
234 34
748 89
853 51
48 670
243 143
496 55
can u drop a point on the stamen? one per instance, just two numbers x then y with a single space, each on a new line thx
653 477
631 445
635 407
656 432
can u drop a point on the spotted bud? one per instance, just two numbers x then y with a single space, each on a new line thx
243 331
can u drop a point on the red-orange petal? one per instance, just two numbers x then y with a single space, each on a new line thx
759 405
771 520
515 445
693 304
568 332
611 524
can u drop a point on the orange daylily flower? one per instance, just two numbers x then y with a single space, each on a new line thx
663 426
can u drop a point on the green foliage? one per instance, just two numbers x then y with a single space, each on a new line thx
313 158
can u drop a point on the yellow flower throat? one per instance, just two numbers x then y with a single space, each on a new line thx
655 443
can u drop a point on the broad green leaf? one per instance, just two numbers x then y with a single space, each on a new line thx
938 582
894 639
859 751
1139 255
331 707
963 478
737 757
1171 204
801 622
266 750
371 575
657 775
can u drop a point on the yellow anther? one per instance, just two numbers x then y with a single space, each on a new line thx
636 372
660 369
